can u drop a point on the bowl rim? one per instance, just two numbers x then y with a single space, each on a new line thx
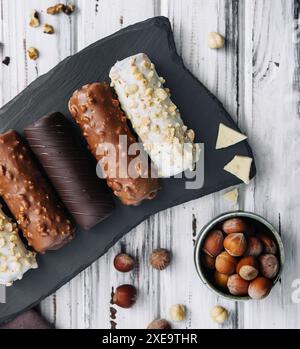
227 215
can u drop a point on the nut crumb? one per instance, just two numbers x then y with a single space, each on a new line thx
33 53
53 10
34 19
48 29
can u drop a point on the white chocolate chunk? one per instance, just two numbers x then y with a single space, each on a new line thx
155 118
232 196
240 167
227 137
15 260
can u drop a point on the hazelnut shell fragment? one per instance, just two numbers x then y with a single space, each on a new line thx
48 29
33 53
34 19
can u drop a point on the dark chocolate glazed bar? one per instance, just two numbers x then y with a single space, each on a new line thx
71 169
97 111
30 197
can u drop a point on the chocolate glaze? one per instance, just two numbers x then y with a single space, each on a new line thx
97 111
30 197
71 169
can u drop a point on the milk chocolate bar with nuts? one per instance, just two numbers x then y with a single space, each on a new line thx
97 111
30 197
71 169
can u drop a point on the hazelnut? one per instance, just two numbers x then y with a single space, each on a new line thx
33 53
123 262
160 258
235 244
48 29
215 40
178 312
159 324
247 268
269 266
254 247
125 296
234 225
34 19
219 314
269 245
260 288
226 264
221 280
208 261
237 286
213 244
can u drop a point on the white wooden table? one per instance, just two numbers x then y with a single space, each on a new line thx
257 78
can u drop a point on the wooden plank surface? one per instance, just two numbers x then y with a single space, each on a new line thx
256 76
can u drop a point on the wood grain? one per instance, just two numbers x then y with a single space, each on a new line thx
256 76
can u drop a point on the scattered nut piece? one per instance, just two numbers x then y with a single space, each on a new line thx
48 29
232 196
53 10
160 258
215 40
219 314
34 19
33 53
159 324
178 312
6 60
69 9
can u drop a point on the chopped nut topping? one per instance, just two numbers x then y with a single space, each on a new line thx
2 242
48 29
149 92
33 53
131 89
3 267
34 19
161 94
191 135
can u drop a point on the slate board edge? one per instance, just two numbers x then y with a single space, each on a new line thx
164 22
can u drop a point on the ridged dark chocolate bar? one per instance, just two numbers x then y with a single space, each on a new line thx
71 169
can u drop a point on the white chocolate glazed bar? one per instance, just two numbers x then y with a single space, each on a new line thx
154 117
15 260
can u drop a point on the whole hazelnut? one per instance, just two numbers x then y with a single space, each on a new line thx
208 261
219 314
237 286
221 280
260 288
125 296
213 244
235 244
178 312
160 258
254 247
247 268
268 244
269 266
123 262
234 225
159 324
226 264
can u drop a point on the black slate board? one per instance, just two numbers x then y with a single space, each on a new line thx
199 108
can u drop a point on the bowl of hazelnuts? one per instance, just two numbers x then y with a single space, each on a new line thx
239 255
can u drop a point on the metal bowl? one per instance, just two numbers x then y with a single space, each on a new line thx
204 273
